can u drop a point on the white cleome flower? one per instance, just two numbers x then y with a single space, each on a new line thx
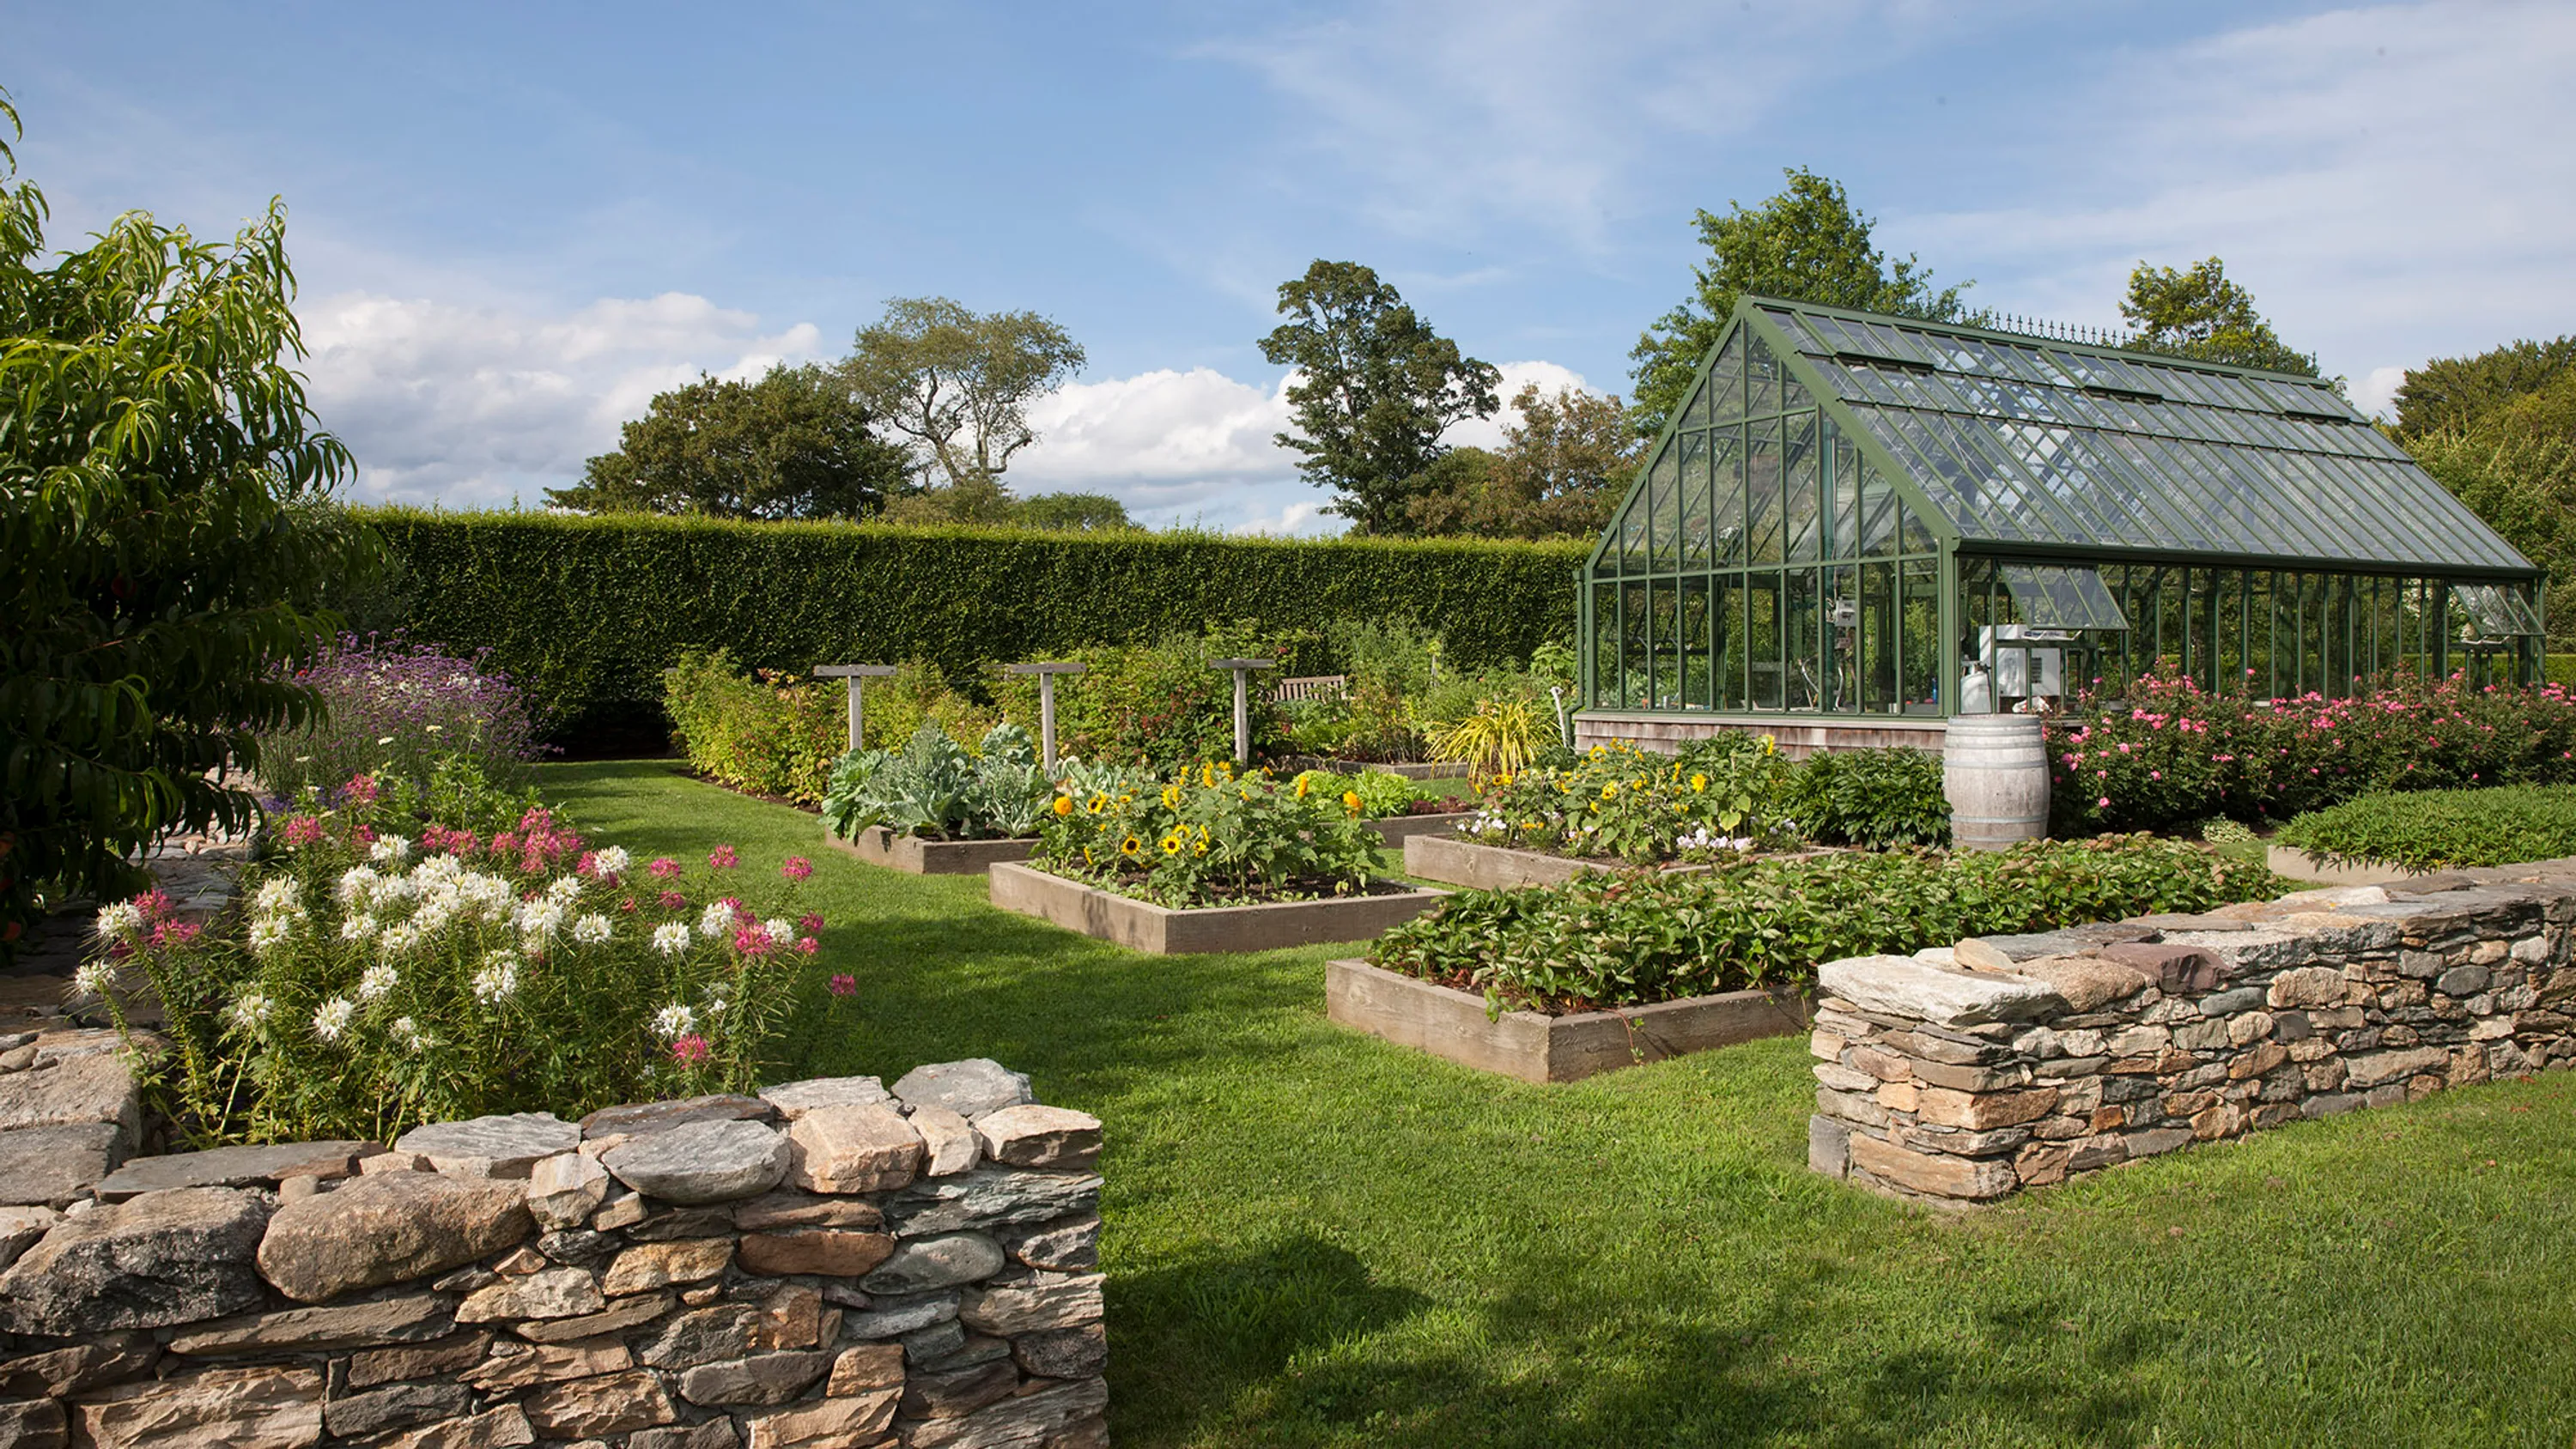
270 932
433 913
331 1019
354 883
249 1010
119 921
540 919
407 1034
671 939
715 920
593 929
389 850
611 860
674 1022
398 939
781 930
498 978
92 978
563 890
376 981
283 896
357 928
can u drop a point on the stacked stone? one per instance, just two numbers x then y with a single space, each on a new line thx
826 1263
1964 1074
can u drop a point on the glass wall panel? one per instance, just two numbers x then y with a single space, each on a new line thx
1803 616
1695 415
1726 383
1842 492
1920 652
1726 511
1632 532
1696 634
1913 534
1663 635
1762 493
1878 507
1695 524
1877 644
1762 637
1605 646
1634 652
1802 511
1663 485
1841 638
2230 660
1727 604
2258 634
1762 380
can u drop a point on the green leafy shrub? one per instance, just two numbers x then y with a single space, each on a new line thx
166 539
767 733
1616 940
1160 706
934 787
383 970
1204 837
2173 753
2441 829
789 596
1872 797
1383 794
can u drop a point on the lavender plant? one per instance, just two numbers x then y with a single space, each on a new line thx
391 710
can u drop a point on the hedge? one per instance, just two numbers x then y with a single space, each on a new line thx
585 613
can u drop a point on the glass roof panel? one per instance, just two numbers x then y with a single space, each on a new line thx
2002 439
2501 611
2056 596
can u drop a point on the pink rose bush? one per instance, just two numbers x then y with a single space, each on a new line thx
2171 752
380 970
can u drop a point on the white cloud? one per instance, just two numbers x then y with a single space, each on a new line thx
2376 394
475 406
1295 520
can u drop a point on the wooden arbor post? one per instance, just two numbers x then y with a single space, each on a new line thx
857 677
1242 703
1046 674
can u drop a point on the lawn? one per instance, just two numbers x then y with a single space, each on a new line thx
1314 1238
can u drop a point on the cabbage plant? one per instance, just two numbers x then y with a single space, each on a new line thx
934 787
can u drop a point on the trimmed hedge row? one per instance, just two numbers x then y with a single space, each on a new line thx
585 613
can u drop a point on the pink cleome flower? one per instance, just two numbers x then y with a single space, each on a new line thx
811 923
304 830
672 901
796 867
808 945
691 1050
664 867
361 790
723 858
845 985
752 940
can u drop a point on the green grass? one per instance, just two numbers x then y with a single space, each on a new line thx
1314 1238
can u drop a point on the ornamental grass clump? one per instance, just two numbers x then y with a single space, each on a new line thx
1205 836
393 710
1724 795
380 970
1635 938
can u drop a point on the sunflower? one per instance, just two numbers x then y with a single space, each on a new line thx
1699 784
1172 844
1098 804
1302 784
1171 797
1063 806
1351 801
1130 846
1610 791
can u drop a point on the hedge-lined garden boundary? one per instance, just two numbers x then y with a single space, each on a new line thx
585 613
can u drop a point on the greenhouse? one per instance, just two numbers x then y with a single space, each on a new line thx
1880 523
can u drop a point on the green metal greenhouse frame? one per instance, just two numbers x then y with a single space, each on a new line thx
1857 516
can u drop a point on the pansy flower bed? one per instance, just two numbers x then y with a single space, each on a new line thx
381 970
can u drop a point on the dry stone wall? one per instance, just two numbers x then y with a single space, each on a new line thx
826 1264
1962 1075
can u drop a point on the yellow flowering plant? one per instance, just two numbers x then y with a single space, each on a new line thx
1720 797
1205 836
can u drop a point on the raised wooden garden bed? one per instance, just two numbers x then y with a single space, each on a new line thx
1450 1023
911 853
1400 828
1162 931
1453 861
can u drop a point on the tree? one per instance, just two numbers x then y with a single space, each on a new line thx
2455 392
795 444
956 382
1804 245
165 537
1563 468
2514 465
1071 513
2200 314
1375 389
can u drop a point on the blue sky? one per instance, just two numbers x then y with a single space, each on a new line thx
514 224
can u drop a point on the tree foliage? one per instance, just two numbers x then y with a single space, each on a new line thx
2455 392
1806 244
1562 470
794 444
2199 313
2514 465
165 535
955 382
1375 390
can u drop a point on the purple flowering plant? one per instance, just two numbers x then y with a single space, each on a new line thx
392 709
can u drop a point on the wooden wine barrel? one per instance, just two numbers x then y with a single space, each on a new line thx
1994 769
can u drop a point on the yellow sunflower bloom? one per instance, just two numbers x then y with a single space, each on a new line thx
1302 784
1699 784
1610 791
1130 846
1063 806
1171 845
1351 800
1171 797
